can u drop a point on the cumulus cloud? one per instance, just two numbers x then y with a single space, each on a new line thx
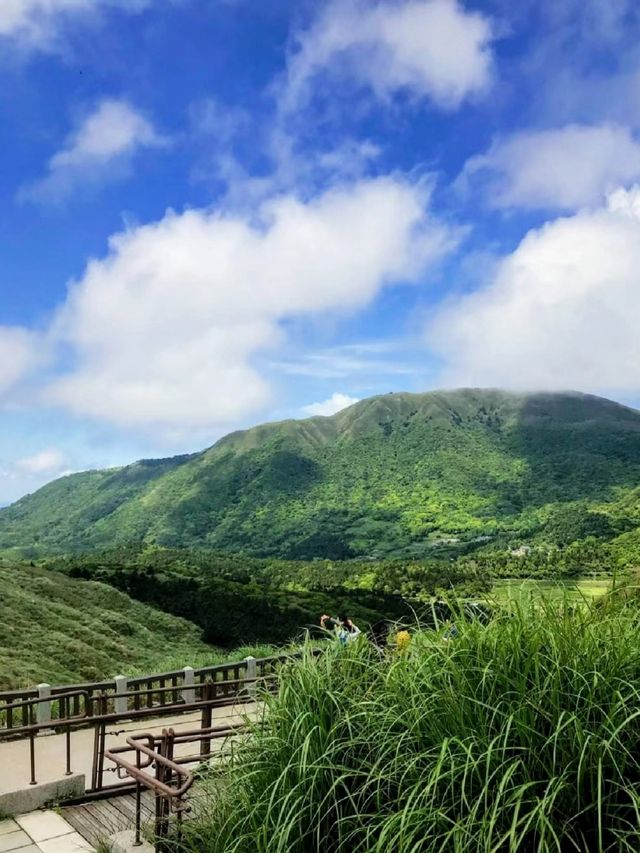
562 311
563 168
335 403
431 49
19 354
100 149
35 23
168 328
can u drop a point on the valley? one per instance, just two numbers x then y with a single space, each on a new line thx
377 511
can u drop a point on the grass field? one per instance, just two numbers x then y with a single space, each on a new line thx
518 736
520 590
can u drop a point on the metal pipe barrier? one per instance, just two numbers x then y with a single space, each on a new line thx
171 782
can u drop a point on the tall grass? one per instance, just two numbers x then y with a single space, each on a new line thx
519 735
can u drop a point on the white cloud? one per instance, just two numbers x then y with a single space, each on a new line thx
429 48
335 403
562 311
18 355
100 149
35 23
47 462
563 168
168 328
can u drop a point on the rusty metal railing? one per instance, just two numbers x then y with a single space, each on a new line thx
209 700
76 709
170 782
96 713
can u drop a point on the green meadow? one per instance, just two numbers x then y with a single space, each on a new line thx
579 589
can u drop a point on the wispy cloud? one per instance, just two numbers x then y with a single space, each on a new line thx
50 461
20 353
335 403
99 150
351 360
36 23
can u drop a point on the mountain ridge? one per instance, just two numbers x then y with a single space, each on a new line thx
388 474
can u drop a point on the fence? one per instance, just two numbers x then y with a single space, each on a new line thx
99 706
46 705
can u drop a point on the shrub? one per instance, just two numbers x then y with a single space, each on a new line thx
518 735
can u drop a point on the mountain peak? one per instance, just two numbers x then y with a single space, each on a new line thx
391 474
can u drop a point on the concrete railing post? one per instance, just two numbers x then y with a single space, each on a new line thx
121 702
251 673
188 691
44 708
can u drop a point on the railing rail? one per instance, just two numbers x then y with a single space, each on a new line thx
125 693
171 782
100 711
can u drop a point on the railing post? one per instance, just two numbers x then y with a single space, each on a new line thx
188 681
207 715
251 673
44 708
121 702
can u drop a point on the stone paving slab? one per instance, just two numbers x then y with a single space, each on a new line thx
14 840
71 843
40 832
43 825
8 825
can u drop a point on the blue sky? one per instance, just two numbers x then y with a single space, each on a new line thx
219 212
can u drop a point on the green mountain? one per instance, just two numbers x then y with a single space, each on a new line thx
60 630
394 474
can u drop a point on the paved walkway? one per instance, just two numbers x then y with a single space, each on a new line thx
50 750
40 832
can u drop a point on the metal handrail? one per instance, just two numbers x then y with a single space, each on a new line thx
96 713
137 772
168 798
100 721
32 730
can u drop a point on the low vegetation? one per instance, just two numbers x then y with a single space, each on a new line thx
60 630
516 735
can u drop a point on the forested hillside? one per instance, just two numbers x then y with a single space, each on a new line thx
400 474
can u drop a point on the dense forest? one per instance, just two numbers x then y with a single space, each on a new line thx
237 599
439 475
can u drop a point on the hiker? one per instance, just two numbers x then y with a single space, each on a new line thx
344 628
349 630
329 623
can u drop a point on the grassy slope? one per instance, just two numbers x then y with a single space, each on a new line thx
60 630
387 475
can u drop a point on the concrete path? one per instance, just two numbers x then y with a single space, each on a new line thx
40 832
50 750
